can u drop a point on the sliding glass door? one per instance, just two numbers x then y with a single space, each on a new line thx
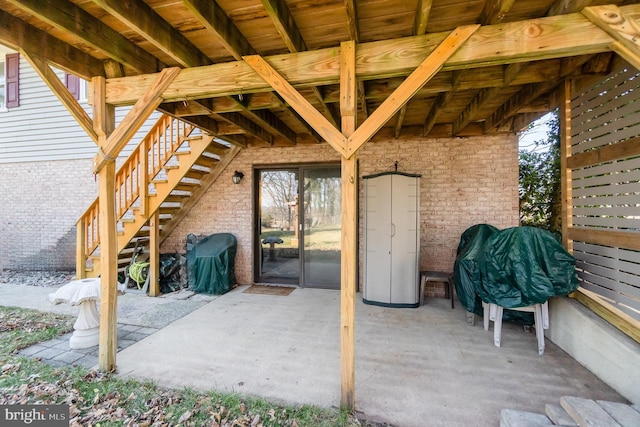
298 227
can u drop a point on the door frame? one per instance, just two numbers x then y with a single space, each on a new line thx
255 233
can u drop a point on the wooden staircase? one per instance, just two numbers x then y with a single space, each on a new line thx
180 164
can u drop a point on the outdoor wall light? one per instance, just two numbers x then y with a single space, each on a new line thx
237 177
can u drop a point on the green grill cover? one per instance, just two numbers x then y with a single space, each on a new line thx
466 269
211 263
524 266
515 267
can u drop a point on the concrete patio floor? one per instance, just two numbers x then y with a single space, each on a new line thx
414 367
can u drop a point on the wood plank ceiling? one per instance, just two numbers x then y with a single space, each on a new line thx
117 38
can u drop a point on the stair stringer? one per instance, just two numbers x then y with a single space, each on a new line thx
197 147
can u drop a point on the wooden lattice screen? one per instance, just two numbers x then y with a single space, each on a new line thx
605 188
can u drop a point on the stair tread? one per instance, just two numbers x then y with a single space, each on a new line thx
513 418
558 415
587 412
624 414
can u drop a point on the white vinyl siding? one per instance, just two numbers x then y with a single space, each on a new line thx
41 128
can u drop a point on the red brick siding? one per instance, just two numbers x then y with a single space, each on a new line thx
464 182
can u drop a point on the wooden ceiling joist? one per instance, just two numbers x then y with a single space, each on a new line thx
145 21
286 26
422 17
92 31
494 11
282 19
211 15
352 19
19 35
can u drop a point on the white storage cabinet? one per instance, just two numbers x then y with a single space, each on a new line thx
391 239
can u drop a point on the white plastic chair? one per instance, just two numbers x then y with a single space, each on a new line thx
540 312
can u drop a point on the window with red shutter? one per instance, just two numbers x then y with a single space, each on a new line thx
72 82
12 80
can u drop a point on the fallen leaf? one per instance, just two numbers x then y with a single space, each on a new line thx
184 417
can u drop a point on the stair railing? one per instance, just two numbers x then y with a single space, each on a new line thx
132 180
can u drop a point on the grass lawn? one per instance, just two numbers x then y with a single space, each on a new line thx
100 399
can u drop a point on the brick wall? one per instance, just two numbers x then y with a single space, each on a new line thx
464 182
41 202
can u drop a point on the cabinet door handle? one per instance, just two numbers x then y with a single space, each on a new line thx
393 229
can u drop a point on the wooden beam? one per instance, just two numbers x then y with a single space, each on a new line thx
608 153
422 17
418 78
104 122
154 254
544 38
60 90
298 102
211 15
140 17
349 228
135 118
248 126
530 92
352 20
513 105
615 238
563 7
494 11
621 27
481 99
441 101
565 170
73 19
608 312
286 26
400 120
271 123
19 35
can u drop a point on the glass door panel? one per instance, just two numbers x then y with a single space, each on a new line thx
321 224
279 258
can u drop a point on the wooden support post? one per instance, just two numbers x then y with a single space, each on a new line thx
154 254
81 248
565 171
108 268
104 122
349 228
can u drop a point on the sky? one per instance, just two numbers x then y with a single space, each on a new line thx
537 132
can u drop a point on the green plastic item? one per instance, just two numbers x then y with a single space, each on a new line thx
211 263
466 269
515 267
524 266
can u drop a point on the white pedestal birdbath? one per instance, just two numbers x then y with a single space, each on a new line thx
84 293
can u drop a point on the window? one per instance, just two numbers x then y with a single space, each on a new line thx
2 83
77 86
